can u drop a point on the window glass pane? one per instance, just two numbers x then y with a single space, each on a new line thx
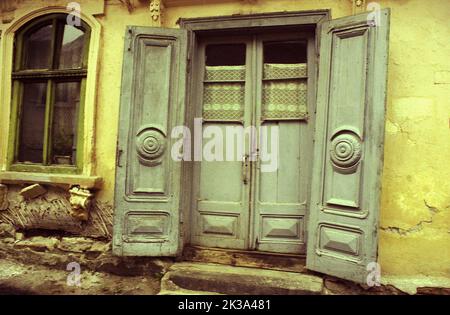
225 55
285 52
64 125
284 93
72 48
38 48
224 88
32 122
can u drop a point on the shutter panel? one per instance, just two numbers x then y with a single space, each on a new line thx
348 154
147 194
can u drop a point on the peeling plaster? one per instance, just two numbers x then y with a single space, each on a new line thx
399 128
412 283
52 211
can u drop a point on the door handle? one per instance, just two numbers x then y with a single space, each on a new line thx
245 169
118 157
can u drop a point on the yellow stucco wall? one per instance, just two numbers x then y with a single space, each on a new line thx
415 209
416 179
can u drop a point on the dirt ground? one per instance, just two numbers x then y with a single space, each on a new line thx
17 278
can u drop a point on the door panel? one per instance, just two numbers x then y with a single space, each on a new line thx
349 146
221 198
284 184
222 208
147 204
280 202
281 197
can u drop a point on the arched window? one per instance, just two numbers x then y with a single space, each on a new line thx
49 74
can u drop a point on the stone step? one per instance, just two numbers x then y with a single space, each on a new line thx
206 278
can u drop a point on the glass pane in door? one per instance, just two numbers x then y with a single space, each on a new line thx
284 91
224 82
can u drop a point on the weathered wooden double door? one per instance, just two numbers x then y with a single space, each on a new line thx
247 200
250 191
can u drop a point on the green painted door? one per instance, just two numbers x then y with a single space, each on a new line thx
147 194
256 86
222 192
348 156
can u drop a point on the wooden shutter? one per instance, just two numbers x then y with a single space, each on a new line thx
147 194
348 154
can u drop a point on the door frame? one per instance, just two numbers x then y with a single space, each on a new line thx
197 27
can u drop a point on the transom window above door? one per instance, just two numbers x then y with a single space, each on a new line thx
48 80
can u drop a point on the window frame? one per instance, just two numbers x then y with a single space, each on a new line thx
52 75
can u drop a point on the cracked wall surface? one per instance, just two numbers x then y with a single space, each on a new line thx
414 233
416 227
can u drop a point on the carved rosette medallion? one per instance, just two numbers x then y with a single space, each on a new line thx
345 150
150 145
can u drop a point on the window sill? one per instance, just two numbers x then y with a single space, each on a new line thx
60 180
